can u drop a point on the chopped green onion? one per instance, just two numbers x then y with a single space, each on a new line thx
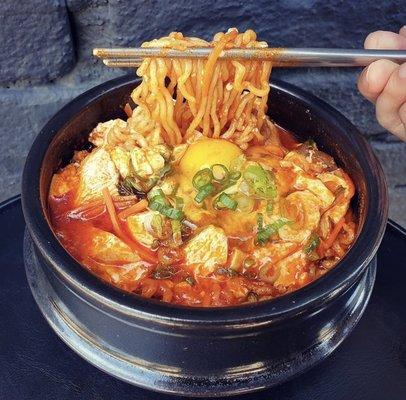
225 185
173 213
220 172
204 192
225 201
260 222
155 192
235 175
261 181
202 178
312 244
161 204
158 203
265 233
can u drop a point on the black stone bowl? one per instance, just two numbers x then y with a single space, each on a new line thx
201 351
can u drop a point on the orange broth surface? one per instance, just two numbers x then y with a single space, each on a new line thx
162 271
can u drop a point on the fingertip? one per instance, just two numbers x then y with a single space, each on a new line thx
374 78
372 40
402 31
362 85
384 40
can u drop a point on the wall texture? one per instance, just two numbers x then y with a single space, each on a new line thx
48 60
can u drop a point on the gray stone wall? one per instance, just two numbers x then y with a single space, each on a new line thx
46 59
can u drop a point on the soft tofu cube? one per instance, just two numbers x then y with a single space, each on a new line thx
147 161
96 172
317 187
140 163
107 248
144 227
121 159
155 159
99 135
207 249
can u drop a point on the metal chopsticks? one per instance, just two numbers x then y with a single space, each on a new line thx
280 57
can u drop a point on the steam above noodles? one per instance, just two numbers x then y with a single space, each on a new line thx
217 98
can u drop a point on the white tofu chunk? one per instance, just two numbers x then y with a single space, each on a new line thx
121 159
144 227
317 187
146 162
207 249
100 135
108 248
96 172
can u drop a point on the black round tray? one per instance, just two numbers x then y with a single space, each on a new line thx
36 364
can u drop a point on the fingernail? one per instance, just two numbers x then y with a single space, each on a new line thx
367 77
402 71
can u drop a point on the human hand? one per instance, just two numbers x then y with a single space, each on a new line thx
384 82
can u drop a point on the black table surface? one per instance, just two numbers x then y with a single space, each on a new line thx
36 364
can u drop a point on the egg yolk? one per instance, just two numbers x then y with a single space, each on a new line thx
205 153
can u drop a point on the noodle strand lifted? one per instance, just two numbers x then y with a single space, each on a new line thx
183 97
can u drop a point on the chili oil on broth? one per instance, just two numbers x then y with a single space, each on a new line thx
235 210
